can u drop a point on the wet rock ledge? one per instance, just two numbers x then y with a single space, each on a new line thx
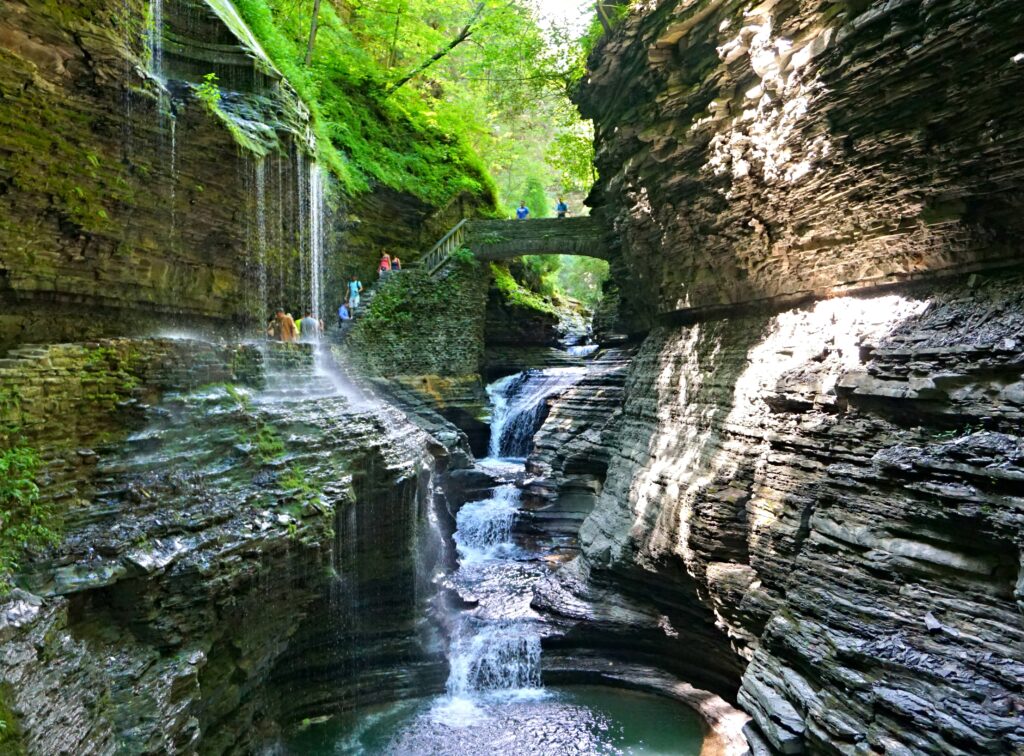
219 507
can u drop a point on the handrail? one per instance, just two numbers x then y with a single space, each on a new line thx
440 253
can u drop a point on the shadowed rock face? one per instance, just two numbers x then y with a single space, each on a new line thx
800 148
829 498
222 508
811 507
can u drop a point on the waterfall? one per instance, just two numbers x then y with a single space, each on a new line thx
583 350
484 528
261 240
316 239
500 656
156 39
302 215
495 649
519 405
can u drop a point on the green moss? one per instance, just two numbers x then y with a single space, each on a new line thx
10 732
517 295
422 325
26 521
268 444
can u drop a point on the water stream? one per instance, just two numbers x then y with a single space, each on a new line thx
495 701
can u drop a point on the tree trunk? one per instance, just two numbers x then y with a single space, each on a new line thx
461 37
312 32
602 16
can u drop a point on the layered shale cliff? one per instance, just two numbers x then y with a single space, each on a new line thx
811 500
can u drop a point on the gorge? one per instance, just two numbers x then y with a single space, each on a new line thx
765 495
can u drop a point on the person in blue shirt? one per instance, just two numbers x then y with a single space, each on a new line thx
522 212
343 314
561 208
355 288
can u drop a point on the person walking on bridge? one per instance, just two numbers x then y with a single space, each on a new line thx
523 212
561 208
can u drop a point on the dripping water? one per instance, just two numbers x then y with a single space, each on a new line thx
261 239
316 239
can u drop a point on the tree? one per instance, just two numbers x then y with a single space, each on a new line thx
312 32
459 38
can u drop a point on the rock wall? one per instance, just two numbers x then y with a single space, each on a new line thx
810 503
796 149
215 503
823 498
130 207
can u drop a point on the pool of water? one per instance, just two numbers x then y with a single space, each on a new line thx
567 720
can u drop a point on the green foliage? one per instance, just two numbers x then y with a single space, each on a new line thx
26 521
362 134
209 91
10 734
268 444
494 104
516 294
465 257
582 279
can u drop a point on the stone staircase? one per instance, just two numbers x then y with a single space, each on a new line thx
337 332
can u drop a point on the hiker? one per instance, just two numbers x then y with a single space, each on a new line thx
355 286
396 264
343 314
283 327
561 208
310 328
385 265
290 331
523 212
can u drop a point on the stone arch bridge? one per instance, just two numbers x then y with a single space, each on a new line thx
505 239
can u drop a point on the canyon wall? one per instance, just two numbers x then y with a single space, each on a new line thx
232 550
129 205
791 148
810 500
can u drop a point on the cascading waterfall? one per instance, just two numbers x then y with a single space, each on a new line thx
316 239
519 403
484 528
156 38
495 649
261 239
302 215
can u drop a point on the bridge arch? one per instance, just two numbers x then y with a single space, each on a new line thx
505 239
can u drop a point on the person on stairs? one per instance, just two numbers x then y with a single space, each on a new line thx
523 212
283 328
355 288
396 264
385 264
310 329
343 314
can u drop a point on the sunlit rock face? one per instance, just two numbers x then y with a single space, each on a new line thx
783 149
811 501
827 498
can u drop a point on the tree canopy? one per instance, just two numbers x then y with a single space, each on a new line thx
435 97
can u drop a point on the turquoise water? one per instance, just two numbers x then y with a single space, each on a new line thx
569 720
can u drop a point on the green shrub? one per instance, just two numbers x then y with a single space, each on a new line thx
26 521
